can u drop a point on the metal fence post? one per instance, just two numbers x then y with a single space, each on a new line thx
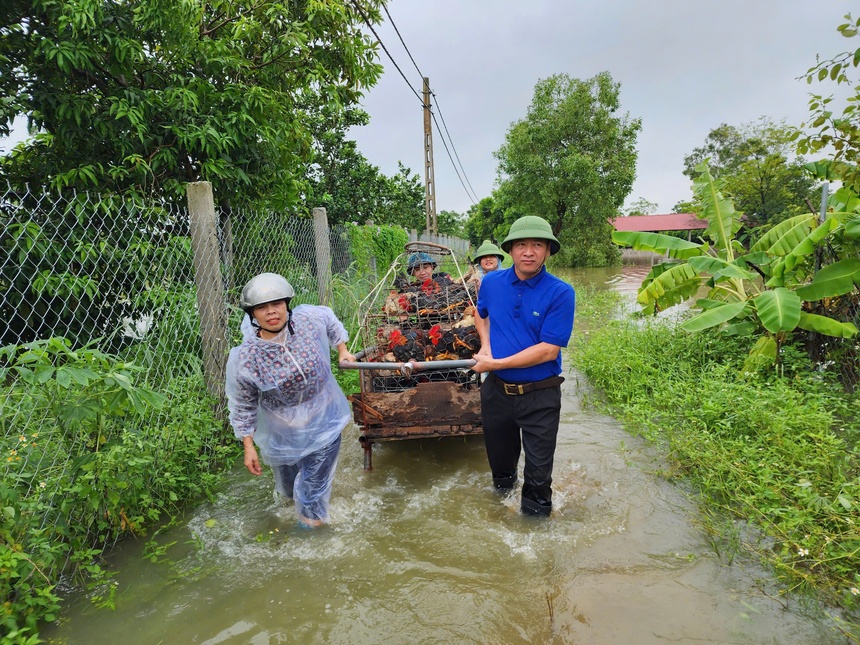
323 254
211 298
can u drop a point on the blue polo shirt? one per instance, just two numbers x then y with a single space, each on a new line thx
524 313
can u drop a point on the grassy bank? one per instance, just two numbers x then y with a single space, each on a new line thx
774 452
97 454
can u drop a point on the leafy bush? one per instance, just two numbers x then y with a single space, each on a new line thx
384 243
89 456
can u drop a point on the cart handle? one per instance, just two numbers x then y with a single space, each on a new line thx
408 367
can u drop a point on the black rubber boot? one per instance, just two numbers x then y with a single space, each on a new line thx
504 482
535 508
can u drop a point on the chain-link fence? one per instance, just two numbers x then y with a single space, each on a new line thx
107 422
117 317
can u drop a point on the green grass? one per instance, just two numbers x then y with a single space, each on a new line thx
775 452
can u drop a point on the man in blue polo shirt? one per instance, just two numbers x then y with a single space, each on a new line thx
525 317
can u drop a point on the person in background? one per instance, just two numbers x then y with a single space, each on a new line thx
525 316
421 267
488 258
283 397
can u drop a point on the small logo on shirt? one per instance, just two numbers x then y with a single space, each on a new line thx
535 313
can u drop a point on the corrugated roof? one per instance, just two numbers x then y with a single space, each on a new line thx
653 223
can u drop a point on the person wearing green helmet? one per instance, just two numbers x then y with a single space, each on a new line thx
488 258
525 316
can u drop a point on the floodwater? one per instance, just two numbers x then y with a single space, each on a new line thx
423 550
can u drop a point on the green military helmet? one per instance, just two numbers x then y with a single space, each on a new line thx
488 248
531 226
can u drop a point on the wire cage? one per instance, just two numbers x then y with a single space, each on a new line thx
417 330
425 319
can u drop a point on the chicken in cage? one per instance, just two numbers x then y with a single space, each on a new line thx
419 336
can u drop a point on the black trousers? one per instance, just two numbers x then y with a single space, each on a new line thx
528 422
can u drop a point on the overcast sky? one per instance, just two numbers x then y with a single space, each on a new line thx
685 67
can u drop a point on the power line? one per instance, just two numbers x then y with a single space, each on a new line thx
402 42
473 195
452 160
385 49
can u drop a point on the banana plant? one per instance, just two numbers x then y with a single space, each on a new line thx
764 290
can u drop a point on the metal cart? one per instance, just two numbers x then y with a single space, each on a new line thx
415 379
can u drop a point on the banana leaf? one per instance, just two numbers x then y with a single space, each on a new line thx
808 244
844 200
658 243
762 355
709 303
802 249
826 325
833 280
719 266
778 310
786 235
777 278
714 317
823 169
852 227
669 288
759 258
657 269
723 220
742 328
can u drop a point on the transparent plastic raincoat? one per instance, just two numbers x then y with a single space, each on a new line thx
282 391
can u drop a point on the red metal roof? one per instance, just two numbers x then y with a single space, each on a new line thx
653 223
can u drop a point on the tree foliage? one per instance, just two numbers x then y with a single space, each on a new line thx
832 129
486 220
148 95
451 223
640 207
572 161
770 288
758 168
351 188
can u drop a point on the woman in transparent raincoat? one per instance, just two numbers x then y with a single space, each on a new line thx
283 397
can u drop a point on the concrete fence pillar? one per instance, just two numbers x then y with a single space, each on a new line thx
211 299
322 246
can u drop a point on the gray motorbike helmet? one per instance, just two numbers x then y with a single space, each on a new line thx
267 287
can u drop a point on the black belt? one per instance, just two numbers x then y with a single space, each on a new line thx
515 389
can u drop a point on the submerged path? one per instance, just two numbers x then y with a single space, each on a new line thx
423 550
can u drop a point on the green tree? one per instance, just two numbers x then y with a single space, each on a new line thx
759 170
350 187
148 95
832 128
572 161
640 207
451 223
482 219
685 206
403 200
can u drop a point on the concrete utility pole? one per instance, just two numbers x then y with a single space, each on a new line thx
429 183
